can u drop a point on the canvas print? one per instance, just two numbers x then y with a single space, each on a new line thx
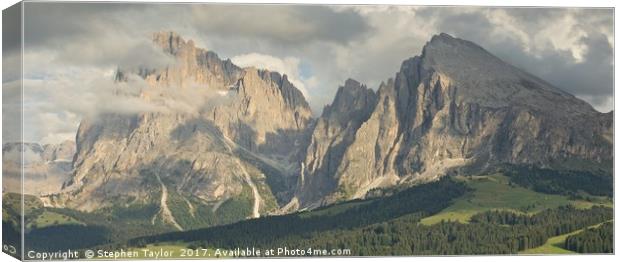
197 131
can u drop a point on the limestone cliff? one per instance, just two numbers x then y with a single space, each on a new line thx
454 106
218 136
232 144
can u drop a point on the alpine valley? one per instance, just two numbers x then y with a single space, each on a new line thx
458 153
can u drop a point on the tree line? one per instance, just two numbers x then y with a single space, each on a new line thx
593 240
390 226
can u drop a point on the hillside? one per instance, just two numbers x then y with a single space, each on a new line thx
374 227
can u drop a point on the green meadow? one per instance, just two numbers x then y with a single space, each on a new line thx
555 245
496 192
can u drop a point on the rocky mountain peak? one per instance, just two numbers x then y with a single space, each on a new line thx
333 133
59 152
444 46
352 83
170 41
352 87
477 76
292 96
246 127
455 106
465 62
350 99
191 66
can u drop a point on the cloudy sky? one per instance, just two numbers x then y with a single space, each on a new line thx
72 49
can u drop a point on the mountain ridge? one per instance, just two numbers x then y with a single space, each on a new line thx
42 168
222 152
455 108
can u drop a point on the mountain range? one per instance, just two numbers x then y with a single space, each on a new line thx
45 167
247 144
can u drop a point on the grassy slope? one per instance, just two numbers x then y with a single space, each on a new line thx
50 218
552 246
490 193
555 244
427 198
35 213
495 192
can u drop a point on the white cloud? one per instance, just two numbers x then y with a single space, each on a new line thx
68 63
568 47
54 106
55 128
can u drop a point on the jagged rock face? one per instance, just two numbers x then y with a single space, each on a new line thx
332 135
45 168
456 106
192 65
266 115
59 152
237 141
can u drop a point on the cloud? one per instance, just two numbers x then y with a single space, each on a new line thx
116 50
95 93
288 24
103 37
11 29
56 128
72 49
288 66
54 105
570 48
11 111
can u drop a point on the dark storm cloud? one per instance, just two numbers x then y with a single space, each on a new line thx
289 24
69 46
11 25
57 23
78 43
589 77
116 33
88 34
592 77
11 43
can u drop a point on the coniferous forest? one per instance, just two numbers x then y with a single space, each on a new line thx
593 240
391 226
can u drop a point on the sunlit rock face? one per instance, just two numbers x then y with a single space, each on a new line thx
454 106
212 132
216 132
